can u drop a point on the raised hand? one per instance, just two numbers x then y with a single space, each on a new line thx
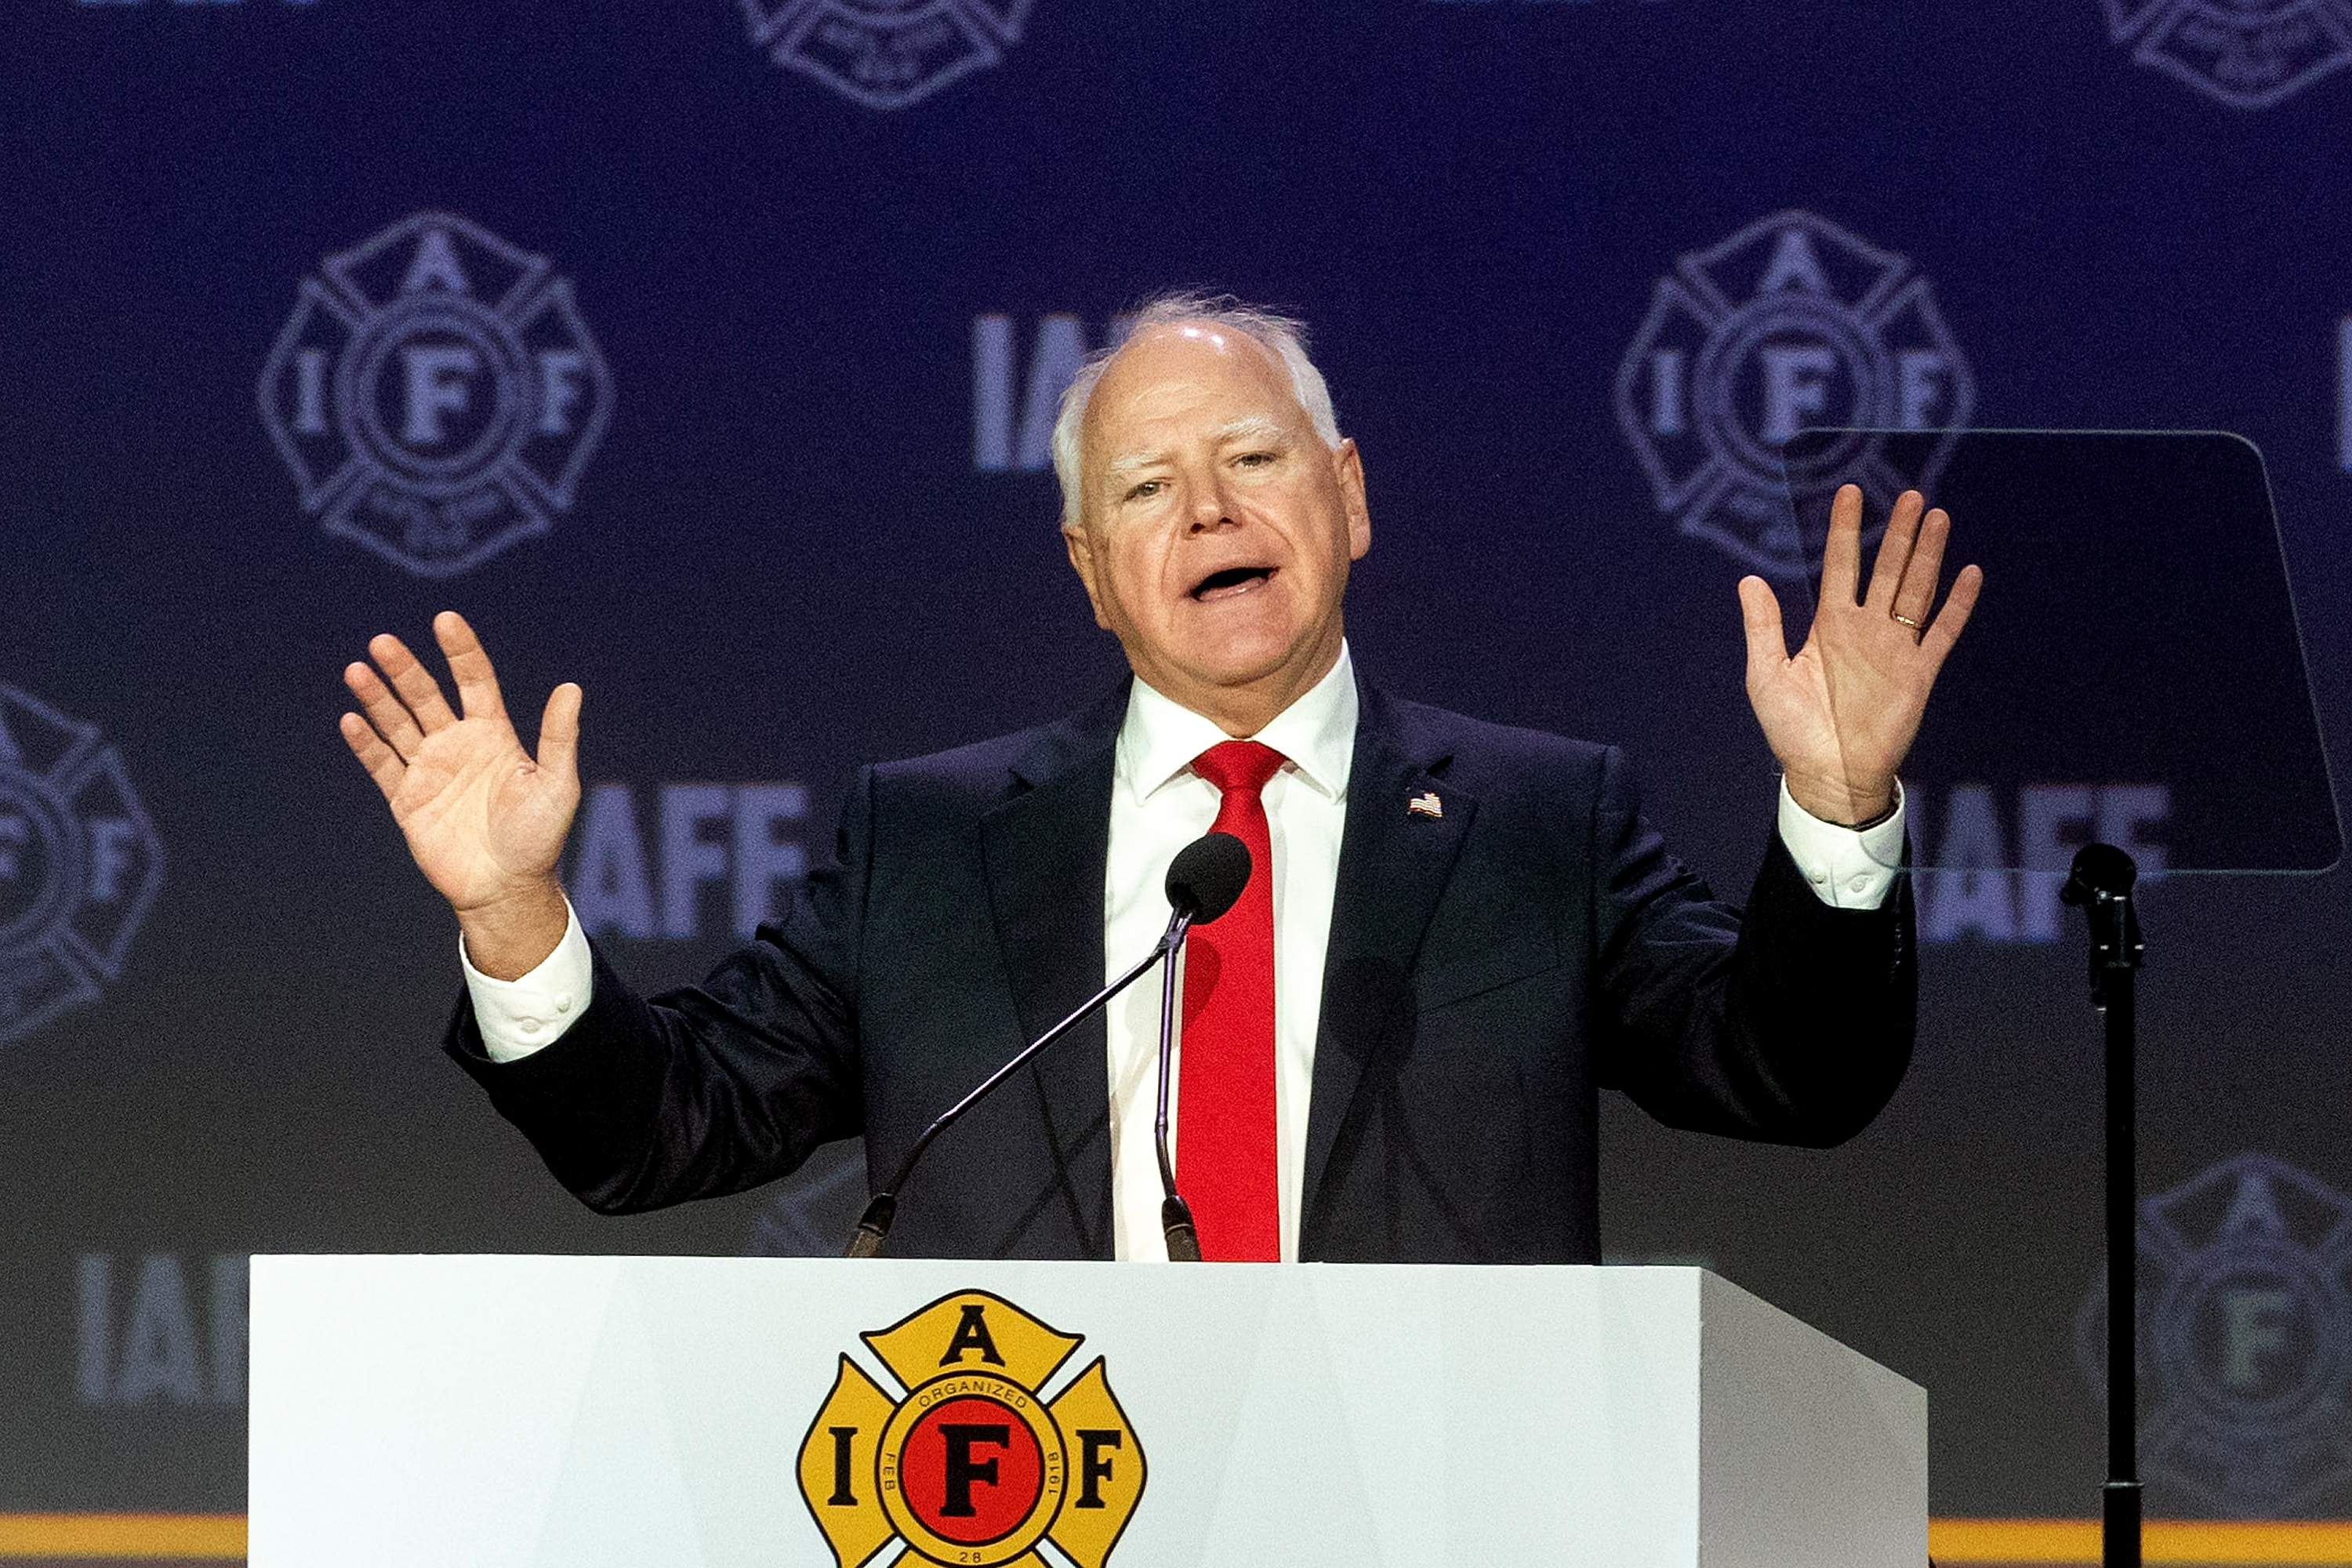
485 820
1841 714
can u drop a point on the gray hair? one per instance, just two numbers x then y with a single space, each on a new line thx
1284 336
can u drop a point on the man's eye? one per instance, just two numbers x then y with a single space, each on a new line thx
1255 460
1147 489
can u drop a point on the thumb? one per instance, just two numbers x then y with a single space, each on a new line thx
559 732
1760 612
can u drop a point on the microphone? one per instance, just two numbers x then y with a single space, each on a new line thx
1208 876
1203 881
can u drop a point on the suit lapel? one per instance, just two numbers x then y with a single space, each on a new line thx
1393 866
1046 850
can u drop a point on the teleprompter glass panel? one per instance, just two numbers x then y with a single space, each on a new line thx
2133 671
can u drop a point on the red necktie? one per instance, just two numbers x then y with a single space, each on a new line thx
1226 1140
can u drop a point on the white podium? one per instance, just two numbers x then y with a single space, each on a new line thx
537 1412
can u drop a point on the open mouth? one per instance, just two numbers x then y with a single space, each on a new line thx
1231 581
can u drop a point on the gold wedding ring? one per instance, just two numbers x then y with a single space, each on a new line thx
1905 620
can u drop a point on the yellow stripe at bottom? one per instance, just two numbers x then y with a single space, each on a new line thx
122 1535
2024 1542
2036 1542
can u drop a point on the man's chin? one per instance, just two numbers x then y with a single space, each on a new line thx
1240 666
1229 646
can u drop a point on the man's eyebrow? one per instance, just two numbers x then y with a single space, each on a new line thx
1128 463
1251 428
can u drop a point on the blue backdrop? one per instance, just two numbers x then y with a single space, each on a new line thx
693 350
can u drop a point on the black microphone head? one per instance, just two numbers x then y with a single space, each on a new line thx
2099 870
1208 875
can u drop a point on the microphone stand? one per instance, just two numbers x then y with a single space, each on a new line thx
882 1209
2100 885
1175 1215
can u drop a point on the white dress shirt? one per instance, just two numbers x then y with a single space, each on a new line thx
1159 804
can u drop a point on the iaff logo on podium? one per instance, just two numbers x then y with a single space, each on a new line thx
972 1464
435 395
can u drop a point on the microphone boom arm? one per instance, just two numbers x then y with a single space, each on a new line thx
874 1223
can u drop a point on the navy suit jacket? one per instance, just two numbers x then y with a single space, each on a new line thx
1489 972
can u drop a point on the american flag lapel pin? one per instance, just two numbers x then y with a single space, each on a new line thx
1425 804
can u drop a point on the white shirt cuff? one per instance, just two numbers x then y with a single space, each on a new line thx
519 1016
1850 869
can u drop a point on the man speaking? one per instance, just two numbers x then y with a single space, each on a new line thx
1454 934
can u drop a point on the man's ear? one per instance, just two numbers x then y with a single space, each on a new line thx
1082 561
1348 467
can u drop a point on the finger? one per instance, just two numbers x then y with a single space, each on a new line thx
1945 629
1915 597
413 681
559 732
1759 612
1894 553
478 683
391 718
1841 554
383 764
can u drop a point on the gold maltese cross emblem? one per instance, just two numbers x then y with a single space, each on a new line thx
971 1462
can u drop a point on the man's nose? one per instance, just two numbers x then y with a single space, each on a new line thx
1210 511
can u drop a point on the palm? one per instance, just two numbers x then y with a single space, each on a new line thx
482 818
478 814
1841 714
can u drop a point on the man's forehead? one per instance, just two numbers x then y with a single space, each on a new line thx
1156 369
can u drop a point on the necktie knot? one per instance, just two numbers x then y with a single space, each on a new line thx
1238 765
